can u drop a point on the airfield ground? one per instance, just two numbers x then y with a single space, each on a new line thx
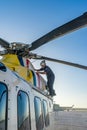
70 120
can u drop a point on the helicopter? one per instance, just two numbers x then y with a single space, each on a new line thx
24 105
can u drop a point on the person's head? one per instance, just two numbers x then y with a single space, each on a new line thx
43 63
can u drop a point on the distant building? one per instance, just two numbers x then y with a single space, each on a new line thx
56 107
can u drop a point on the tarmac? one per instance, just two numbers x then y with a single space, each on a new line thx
70 120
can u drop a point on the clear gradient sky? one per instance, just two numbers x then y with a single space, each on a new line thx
27 20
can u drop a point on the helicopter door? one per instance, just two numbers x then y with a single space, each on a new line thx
23 111
3 107
38 114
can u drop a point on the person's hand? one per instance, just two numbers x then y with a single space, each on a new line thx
37 72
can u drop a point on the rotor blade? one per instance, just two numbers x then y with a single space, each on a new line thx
73 25
34 56
4 43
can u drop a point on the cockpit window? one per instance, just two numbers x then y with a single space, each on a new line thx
3 107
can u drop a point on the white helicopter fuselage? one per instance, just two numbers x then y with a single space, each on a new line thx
22 106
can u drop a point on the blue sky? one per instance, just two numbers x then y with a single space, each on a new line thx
27 20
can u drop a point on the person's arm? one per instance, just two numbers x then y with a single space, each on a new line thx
39 71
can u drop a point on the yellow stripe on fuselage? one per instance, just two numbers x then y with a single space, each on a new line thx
12 62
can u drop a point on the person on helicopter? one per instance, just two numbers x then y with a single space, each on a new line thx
50 76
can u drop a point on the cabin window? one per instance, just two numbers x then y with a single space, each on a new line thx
23 111
3 107
46 113
38 114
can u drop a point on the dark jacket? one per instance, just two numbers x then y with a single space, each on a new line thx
48 71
